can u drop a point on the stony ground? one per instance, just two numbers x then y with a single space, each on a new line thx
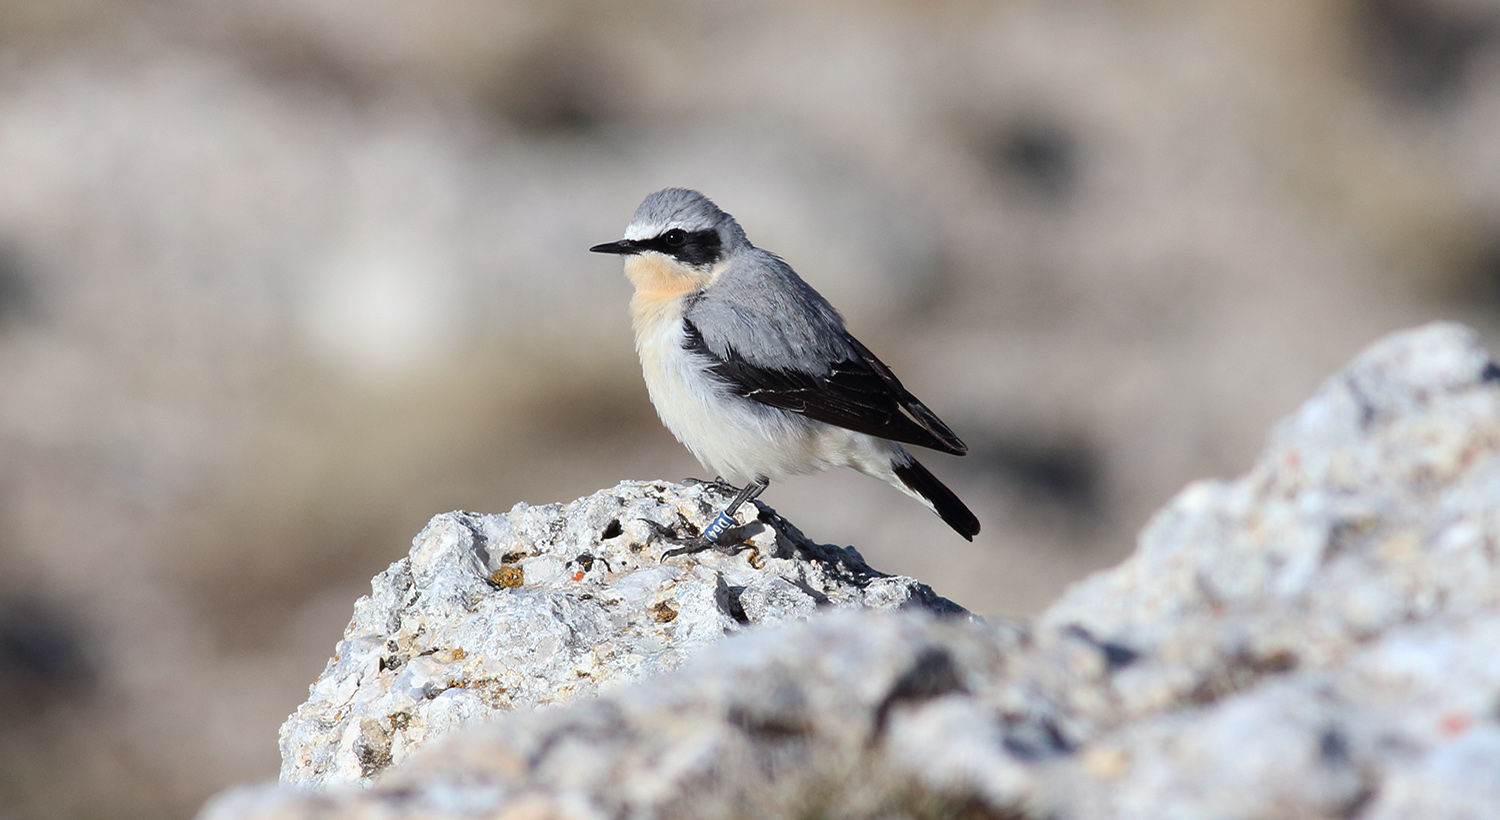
1319 638
545 605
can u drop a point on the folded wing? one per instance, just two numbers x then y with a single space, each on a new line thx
857 393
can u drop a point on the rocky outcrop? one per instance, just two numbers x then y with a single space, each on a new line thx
542 605
1319 638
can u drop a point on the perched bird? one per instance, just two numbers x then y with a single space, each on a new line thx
752 369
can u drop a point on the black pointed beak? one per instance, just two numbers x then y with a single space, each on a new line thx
624 247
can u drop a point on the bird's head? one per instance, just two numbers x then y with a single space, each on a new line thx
684 227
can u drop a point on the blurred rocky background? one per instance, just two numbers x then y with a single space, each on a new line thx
280 280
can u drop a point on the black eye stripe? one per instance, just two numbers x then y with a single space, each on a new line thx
697 248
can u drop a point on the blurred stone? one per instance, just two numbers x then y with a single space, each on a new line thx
1317 639
1321 635
547 604
1423 50
774 723
44 655
289 277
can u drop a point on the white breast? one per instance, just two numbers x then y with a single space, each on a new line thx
734 437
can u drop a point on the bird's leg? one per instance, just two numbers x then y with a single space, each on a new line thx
721 534
725 519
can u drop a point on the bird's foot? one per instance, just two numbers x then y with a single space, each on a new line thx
732 540
718 484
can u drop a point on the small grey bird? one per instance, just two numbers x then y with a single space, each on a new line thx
753 371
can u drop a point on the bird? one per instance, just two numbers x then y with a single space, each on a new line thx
754 371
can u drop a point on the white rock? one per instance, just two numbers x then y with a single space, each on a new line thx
1317 639
438 643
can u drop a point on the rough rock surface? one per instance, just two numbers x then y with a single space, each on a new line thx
1322 636
1317 639
545 604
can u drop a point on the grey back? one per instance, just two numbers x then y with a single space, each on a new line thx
762 309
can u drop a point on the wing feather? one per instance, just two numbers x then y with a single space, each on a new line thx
858 393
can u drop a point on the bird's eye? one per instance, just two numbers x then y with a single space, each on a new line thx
675 238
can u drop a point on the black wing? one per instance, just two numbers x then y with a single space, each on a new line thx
859 394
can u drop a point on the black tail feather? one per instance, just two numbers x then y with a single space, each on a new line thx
949 508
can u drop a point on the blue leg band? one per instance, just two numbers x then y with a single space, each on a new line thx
718 526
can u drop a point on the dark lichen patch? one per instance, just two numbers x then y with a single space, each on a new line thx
1241 672
612 530
373 751
491 691
389 662
664 613
508 577
512 557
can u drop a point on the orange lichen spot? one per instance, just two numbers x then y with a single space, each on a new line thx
1456 724
578 576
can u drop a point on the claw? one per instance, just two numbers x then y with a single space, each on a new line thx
691 546
731 541
661 532
718 483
